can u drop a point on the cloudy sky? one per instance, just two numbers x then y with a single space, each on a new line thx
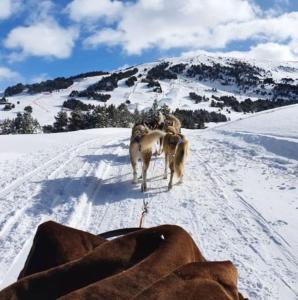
42 39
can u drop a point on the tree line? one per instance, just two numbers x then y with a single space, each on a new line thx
105 116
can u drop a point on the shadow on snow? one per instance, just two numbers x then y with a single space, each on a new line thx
62 194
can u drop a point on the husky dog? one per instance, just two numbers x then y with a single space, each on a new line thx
155 122
171 120
175 146
140 148
169 124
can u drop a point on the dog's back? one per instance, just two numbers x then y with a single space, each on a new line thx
173 121
141 143
176 146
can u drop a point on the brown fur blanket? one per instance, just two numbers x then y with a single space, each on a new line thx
156 263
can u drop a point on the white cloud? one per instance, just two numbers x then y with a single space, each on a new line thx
5 9
42 39
204 24
261 52
171 23
7 74
8 7
279 29
91 10
107 36
272 51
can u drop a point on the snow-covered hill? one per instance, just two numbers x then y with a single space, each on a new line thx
208 76
239 199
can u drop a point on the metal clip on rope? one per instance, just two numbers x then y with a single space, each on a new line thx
144 212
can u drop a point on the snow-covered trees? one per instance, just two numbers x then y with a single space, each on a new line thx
9 106
24 123
131 81
44 86
61 121
28 109
196 119
107 116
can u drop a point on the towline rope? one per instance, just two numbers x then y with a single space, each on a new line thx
145 211
145 208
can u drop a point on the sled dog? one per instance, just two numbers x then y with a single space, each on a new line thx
171 120
162 121
175 146
140 148
168 123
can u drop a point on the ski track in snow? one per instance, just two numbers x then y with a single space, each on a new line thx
88 185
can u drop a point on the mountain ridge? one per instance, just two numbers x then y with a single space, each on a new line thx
196 82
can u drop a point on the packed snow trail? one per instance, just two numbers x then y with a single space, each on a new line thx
238 200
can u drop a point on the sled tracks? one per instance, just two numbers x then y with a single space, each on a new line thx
254 233
60 190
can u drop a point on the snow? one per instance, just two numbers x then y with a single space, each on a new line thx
239 199
284 124
175 93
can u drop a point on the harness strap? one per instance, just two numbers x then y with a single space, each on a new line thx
118 232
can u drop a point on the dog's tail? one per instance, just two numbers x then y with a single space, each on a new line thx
149 139
180 156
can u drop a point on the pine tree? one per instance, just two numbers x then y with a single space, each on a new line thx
17 123
6 127
165 110
112 116
125 117
28 124
61 121
28 109
137 118
22 124
76 120
152 114
100 117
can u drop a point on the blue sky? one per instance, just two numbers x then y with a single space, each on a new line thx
43 39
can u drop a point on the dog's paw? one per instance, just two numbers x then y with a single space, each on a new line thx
143 188
169 187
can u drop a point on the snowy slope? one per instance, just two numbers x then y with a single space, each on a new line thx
175 93
239 199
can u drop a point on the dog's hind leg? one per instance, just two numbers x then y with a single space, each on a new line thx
172 174
180 179
135 174
180 172
146 161
133 161
165 176
160 146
